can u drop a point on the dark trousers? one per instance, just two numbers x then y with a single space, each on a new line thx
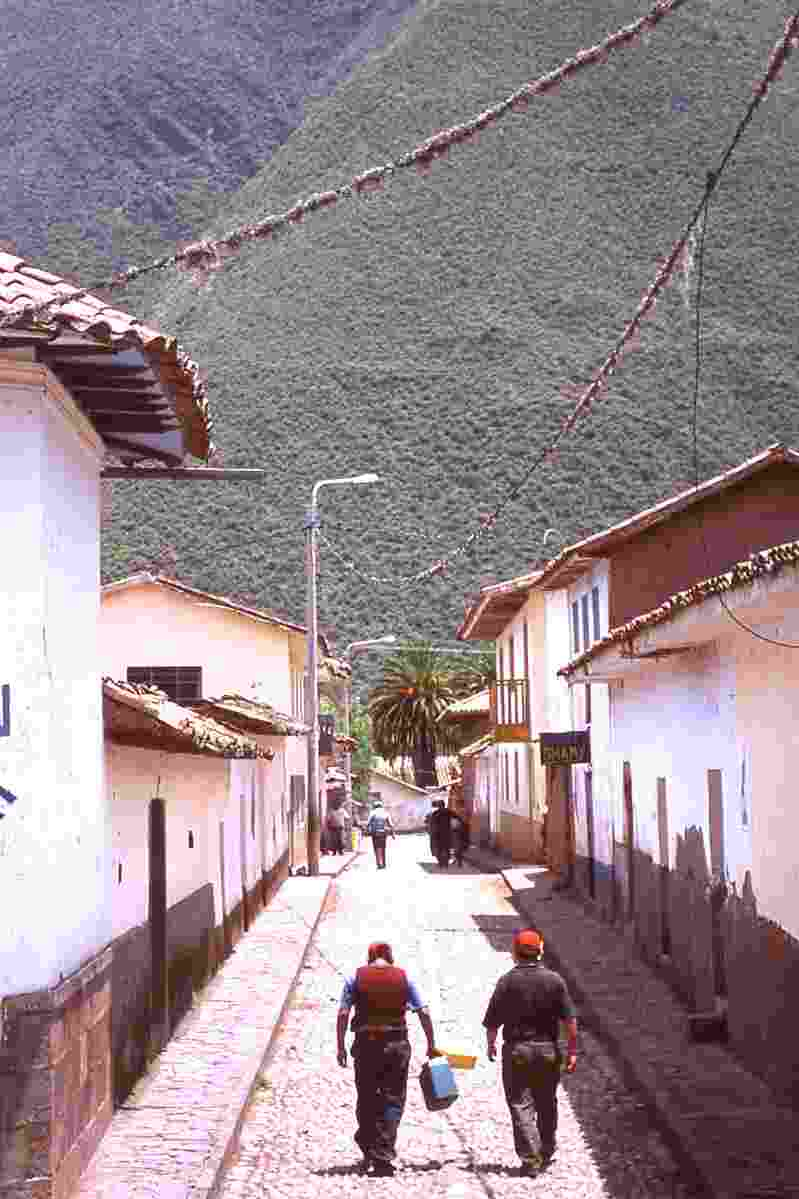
336 837
530 1076
381 1080
379 846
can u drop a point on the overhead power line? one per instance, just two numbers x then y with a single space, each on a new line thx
209 254
629 338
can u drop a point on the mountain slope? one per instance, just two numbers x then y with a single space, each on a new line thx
426 331
115 106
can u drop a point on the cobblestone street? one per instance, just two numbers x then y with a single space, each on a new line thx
451 931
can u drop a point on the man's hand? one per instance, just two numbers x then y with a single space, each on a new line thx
571 1063
341 1057
491 1050
433 1052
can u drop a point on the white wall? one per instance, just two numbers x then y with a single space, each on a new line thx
675 720
407 806
148 624
55 840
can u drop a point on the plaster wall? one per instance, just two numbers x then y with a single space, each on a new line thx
763 799
58 829
195 791
676 720
148 624
407 806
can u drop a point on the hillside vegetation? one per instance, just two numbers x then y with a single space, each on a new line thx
426 332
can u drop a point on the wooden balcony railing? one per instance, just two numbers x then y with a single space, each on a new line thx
509 706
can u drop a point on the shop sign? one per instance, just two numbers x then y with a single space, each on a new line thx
565 749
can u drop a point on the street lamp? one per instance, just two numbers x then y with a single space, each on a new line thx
312 682
352 648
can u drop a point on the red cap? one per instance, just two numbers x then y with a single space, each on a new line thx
528 942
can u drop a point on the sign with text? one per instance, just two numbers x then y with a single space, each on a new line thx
565 749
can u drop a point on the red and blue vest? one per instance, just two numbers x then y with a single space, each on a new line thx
381 997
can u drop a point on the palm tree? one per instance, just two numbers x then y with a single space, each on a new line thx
403 710
468 675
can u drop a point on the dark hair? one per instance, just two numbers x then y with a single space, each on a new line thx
381 949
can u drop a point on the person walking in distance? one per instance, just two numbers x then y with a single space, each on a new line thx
528 1004
336 824
378 828
380 993
440 834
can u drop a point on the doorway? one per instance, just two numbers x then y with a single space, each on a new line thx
590 835
156 919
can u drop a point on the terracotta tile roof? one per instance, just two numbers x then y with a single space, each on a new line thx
496 605
756 566
146 717
102 327
575 558
248 716
221 601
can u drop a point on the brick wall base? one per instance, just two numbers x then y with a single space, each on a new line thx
55 1082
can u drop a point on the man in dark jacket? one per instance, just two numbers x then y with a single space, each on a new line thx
440 834
528 1004
380 993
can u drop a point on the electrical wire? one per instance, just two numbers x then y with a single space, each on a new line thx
697 386
594 392
208 255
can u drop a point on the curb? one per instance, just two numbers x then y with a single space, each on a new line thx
210 1190
592 1018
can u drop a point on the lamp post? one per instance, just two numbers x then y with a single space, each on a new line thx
312 682
352 648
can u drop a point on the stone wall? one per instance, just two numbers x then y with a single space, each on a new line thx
55 1082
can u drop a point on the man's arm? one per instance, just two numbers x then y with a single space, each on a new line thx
491 1043
571 1045
427 1026
342 1020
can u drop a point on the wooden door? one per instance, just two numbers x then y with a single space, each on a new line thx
156 916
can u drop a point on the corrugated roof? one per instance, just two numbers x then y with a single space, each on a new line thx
147 718
248 716
758 565
137 386
472 705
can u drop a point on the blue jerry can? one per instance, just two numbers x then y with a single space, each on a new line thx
438 1084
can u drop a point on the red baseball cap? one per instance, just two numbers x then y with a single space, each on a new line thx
528 942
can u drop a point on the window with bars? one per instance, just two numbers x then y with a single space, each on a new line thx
181 683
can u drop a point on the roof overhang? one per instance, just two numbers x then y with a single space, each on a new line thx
248 716
146 718
496 607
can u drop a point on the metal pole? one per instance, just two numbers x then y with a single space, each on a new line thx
312 692
193 474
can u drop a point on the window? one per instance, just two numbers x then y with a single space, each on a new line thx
576 626
181 683
586 627
595 606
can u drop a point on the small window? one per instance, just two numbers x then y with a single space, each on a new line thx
586 627
191 839
181 683
595 606
119 874
576 626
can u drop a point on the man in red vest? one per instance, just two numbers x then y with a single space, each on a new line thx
380 993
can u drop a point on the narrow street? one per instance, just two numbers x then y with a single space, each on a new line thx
452 931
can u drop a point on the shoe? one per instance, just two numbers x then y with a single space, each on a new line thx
530 1165
382 1169
546 1154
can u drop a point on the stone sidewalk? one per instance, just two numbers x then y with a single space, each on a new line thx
718 1118
176 1132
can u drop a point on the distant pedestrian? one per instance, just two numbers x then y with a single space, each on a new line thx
378 829
381 993
527 1004
336 825
440 834
459 836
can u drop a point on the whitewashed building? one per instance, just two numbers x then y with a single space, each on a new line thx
76 381
704 710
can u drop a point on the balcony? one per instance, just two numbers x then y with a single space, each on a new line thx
509 707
